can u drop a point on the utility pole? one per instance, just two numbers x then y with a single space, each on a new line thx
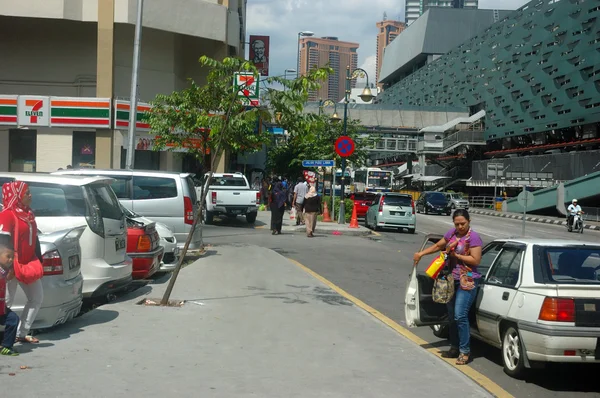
137 44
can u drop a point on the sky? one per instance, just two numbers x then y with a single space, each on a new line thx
354 21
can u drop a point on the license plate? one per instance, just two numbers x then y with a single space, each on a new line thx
236 211
396 213
120 244
73 262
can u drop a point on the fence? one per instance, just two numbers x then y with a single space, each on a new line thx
481 202
591 213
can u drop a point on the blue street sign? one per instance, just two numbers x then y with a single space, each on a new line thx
318 163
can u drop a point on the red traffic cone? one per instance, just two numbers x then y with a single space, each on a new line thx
326 215
354 219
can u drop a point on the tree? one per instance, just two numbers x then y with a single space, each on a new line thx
213 117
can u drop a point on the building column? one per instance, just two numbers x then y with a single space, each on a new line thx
422 163
105 153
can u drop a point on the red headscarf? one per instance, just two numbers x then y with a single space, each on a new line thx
12 198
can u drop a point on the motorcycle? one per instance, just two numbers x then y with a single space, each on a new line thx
577 224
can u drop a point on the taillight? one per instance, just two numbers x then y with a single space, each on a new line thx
412 203
381 204
188 209
52 263
557 310
144 243
257 197
213 197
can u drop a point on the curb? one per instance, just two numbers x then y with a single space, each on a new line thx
343 231
542 220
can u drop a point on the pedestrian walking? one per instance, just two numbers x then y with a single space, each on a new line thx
277 201
300 191
312 208
463 246
8 318
18 220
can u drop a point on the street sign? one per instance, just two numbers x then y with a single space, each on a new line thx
526 199
247 88
318 163
344 146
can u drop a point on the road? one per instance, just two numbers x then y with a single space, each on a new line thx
375 270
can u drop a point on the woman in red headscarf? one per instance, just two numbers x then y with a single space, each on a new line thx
18 220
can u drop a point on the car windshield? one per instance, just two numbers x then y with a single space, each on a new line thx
364 197
53 200
397 200
455 196
436 198
226 181
573 265
106 200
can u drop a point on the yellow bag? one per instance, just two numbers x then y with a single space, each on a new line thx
436 265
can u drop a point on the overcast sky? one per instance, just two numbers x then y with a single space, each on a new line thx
349 20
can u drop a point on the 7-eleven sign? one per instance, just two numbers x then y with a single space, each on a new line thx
247 87
33 110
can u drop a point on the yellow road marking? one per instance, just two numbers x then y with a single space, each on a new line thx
375 233
474 375
260 227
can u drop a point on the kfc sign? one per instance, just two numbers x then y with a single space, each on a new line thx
259 53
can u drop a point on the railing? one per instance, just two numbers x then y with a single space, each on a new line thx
482 202
466 137
591 213
395 145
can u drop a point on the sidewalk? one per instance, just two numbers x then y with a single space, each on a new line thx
322 227
535 218
254 325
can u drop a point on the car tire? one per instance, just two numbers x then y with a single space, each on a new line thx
512 355
251 218
412 230
208 217
441 331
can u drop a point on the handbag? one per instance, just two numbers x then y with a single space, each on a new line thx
293 213
29 272
443 288
436 265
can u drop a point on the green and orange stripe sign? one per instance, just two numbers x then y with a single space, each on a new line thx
122 109
80 112
8 110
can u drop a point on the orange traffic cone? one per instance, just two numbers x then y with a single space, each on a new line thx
326 216
354 219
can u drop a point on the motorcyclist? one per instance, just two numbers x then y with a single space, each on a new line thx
573 210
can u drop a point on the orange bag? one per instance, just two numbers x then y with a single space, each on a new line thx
436 265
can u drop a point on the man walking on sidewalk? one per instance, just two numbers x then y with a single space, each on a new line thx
300 191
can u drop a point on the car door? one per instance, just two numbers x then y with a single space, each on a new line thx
498 290
419 307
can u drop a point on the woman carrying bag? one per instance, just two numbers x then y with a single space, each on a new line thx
18 220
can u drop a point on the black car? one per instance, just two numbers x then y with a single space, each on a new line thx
433 202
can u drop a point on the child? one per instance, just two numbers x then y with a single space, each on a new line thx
9 319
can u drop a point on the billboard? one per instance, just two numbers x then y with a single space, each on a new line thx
259 53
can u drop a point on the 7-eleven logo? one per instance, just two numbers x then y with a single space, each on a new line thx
35 111
247 85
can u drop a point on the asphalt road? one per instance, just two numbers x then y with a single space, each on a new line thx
375 270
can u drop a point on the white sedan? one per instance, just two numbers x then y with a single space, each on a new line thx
539 302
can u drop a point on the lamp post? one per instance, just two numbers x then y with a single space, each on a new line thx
334 119
366 96
290 71
306 33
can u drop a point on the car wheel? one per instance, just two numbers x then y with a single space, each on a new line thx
208 217
251 218
512 355
441 331
412 230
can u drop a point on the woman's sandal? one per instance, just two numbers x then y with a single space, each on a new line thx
451 353
27 340
463 359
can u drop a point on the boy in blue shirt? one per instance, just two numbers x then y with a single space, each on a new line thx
8 319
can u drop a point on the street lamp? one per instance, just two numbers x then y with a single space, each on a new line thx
306 33
290 71
366 96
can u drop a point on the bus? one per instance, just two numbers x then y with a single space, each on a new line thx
373 179
338 182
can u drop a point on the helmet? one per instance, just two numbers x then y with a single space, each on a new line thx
574 201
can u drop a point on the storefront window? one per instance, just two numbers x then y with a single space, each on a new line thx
144 160
22 147
84 149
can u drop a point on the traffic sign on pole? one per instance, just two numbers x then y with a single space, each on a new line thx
317 163
344 146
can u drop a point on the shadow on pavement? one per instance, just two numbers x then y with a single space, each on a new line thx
238 222
96 317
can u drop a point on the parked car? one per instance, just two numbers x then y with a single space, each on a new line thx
62 280
62 202
433 202
539 301
229 194
362 202
143 246
165 197
392 210
456 201
167 241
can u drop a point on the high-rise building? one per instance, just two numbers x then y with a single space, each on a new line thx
416 8
319 52
387 30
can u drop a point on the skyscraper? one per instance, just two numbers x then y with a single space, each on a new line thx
318 52
416 8
387 30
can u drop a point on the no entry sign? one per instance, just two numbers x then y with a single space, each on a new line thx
344 146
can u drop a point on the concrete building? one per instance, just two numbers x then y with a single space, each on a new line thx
387 30
73 59
318 52
415 8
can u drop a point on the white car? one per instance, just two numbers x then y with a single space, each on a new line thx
539 302
229 194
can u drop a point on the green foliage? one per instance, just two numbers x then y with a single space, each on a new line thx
348 204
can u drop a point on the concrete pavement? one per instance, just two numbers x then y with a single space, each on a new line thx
254 325
322 227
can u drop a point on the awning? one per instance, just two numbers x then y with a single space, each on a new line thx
414 176
430 178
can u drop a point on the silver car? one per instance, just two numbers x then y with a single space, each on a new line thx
62 280
392 210
456 201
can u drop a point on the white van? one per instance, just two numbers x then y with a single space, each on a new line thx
62 202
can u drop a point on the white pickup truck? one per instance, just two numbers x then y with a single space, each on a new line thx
229 194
